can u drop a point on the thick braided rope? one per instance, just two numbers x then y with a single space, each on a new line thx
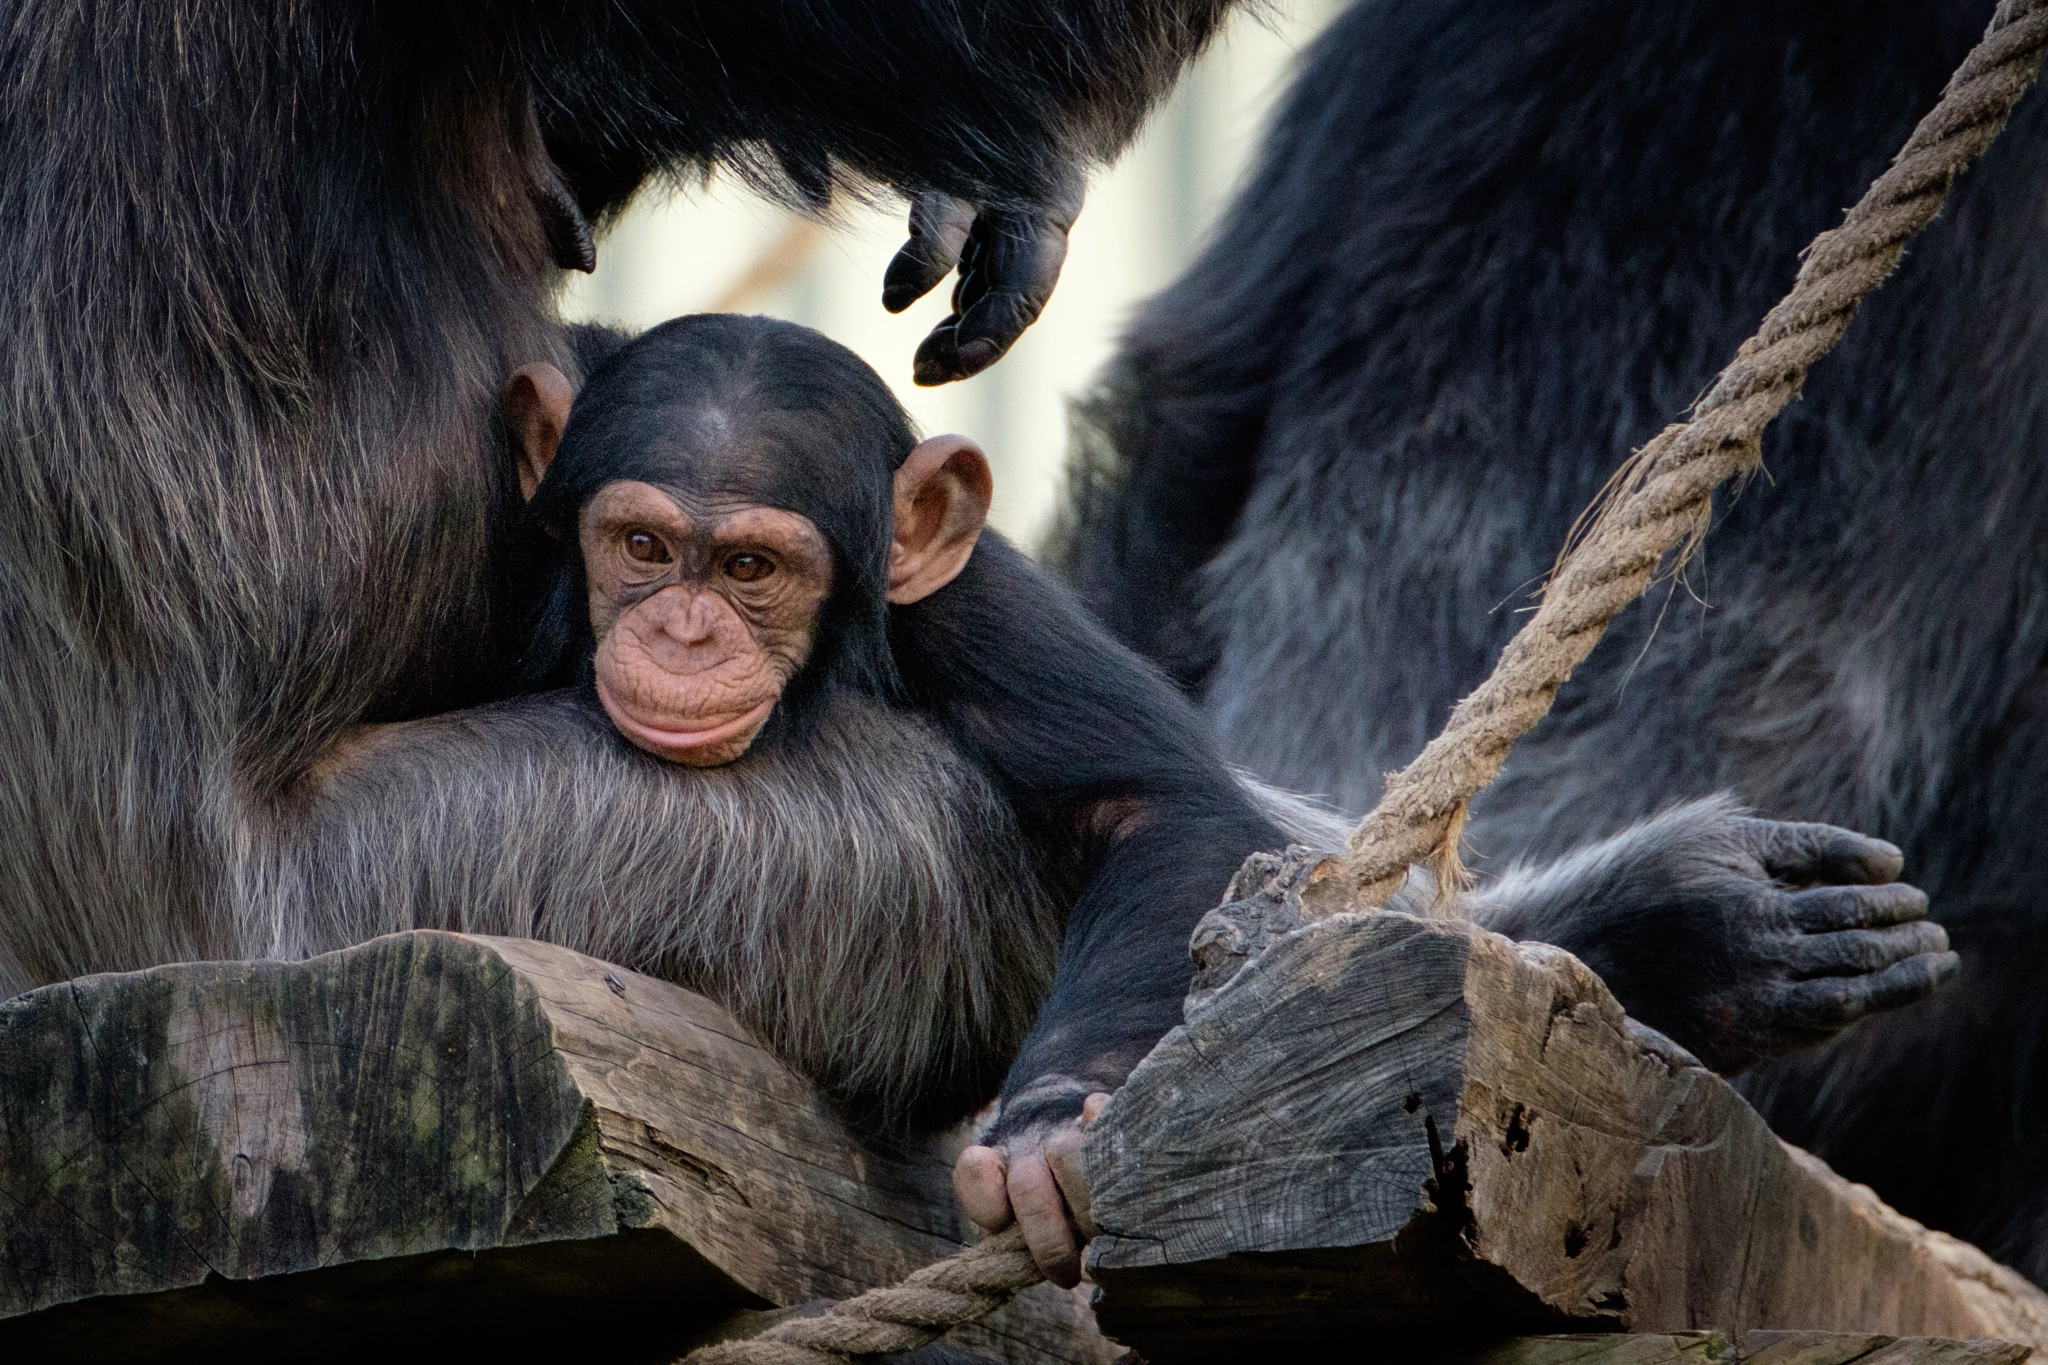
1659 502
1662 499
902 1317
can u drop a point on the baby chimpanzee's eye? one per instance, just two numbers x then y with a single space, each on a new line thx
646 548
748 568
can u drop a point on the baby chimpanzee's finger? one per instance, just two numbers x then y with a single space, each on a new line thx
1823 909
981 1181
1063 1155
1042 1214
1864 951
939 225
1809 854
1832 1002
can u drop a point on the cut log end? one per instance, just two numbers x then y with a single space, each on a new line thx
1385 1123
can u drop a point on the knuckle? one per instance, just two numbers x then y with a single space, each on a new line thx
1864 951
1920 936
1791 839
1031 1204
1828 907
1831 999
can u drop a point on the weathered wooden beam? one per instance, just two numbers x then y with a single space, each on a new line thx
1414 1131
1712 1348
1384 1122
432 1139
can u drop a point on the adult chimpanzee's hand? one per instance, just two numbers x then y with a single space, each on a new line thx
1740 938
1009 261
1033 1178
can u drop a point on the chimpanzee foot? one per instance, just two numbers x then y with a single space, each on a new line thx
1742 939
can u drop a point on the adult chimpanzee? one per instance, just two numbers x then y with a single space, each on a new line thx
268 266
933 826
1492 247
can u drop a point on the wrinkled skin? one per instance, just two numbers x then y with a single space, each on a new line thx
700 621
1033 1178
1008 263
1742 939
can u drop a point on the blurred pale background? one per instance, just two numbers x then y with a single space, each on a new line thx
720 248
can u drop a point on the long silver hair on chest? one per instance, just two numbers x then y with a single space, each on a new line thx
863 900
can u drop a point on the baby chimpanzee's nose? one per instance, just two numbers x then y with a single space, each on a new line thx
693 629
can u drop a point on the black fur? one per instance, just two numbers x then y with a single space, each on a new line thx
804 425
1114 775
1064 819
1490 249
267 267
978 835
1133 822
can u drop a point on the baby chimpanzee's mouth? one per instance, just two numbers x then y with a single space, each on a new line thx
697 744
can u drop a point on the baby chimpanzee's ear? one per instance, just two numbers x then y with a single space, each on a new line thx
942 496
536 409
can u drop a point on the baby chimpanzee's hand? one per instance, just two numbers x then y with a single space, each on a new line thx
1740 938
1009 261
1033 1178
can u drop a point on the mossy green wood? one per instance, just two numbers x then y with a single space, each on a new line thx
158 1127
432 1138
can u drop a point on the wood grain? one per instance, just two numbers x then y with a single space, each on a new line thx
1712 1348
1409 1130
431 1139
1384 1121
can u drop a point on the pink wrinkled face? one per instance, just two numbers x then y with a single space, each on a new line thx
701 621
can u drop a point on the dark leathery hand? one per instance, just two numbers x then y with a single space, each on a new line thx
1806 854
1008 261
1821 937
1744 939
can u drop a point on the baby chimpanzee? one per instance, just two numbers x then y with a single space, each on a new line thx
889 793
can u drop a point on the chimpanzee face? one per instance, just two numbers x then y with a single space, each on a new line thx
702 617
724 472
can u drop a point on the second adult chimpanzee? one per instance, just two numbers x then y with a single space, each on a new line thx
268 266
1493 246
827 749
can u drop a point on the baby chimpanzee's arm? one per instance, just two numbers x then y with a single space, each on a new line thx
1114 770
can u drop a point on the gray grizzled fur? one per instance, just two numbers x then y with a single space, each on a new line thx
1306 820
268 267
1491 248
863 902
